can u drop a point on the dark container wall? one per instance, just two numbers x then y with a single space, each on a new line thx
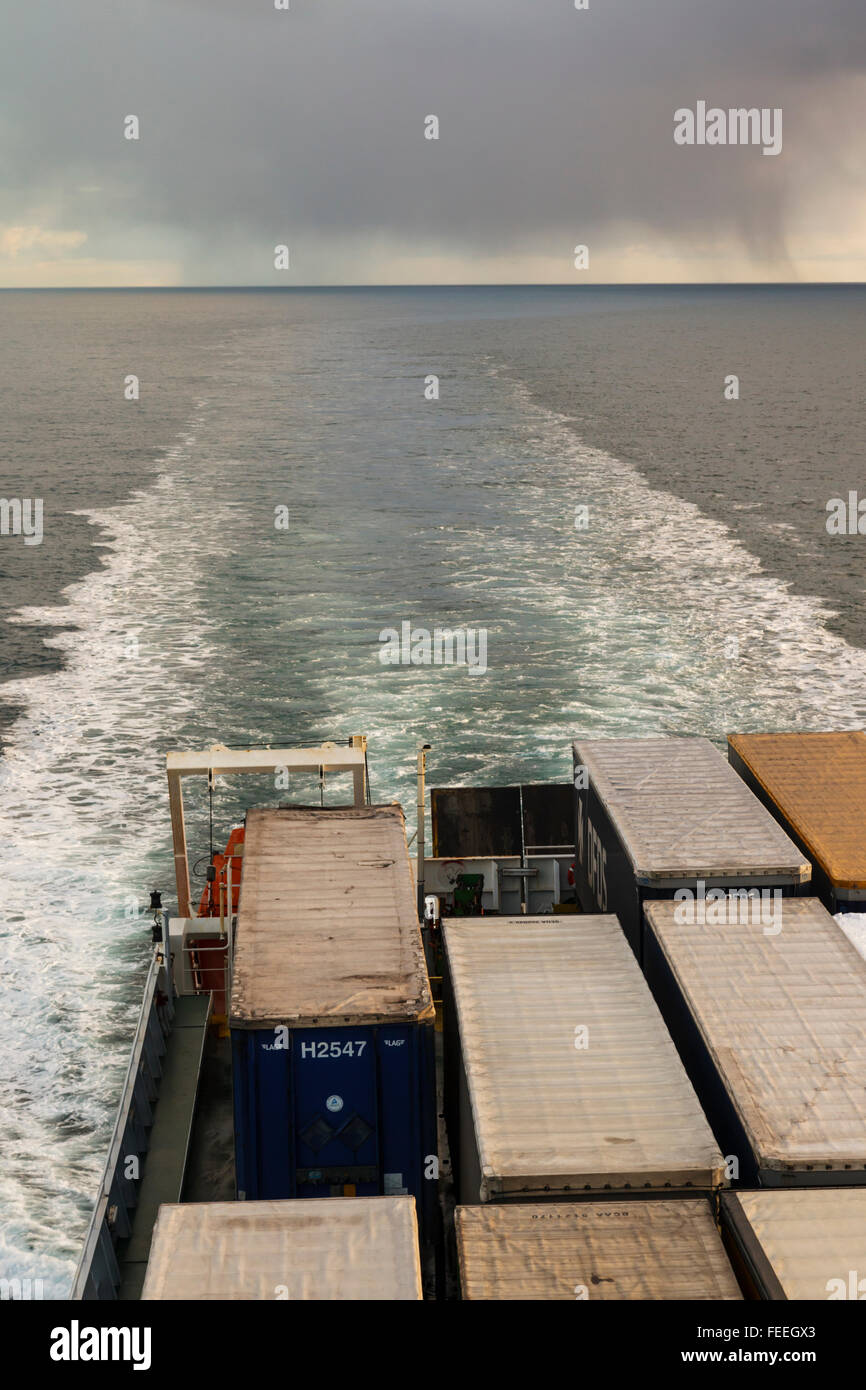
603 875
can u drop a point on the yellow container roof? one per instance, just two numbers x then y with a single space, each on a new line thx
818 782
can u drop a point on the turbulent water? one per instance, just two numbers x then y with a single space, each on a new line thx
165 609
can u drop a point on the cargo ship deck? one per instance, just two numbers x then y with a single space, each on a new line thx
341 1024
191 1154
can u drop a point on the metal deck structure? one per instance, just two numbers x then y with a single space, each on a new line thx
147 1155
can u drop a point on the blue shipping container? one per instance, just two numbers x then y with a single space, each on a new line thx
331 1012
320 1110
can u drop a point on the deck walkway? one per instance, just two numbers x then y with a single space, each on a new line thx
165 1164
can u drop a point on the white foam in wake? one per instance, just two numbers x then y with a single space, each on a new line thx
81 809
680 627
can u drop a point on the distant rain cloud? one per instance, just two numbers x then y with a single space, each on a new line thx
307 127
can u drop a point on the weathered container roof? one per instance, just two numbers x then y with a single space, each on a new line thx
783 1015
613 1250
818 781
315 1248
682 812
327 921
810 1236
547 1113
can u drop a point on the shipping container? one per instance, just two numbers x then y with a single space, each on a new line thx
658 815
560 1077
331 1011
770 1019
809 1244
815 786
359 1248
593 1251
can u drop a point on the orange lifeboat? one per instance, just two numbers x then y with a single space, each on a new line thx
209 905
208 954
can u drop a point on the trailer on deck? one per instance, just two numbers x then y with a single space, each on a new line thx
656 816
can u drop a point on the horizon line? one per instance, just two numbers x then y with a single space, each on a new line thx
450 285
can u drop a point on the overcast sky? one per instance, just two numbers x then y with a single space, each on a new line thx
306 127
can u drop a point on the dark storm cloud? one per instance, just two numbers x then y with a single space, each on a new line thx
556 125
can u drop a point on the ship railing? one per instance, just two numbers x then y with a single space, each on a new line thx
98 1273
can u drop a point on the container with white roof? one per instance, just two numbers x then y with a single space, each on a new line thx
356 1248
660 815
809 1244
561 1079
771 1022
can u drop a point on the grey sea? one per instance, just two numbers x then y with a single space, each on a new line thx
643 555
